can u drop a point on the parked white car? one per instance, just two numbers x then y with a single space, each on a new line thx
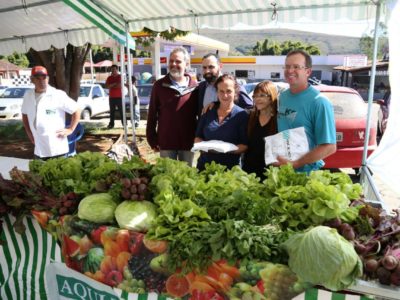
2 89
11 102
92 100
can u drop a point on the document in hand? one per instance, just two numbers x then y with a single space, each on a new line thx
290 144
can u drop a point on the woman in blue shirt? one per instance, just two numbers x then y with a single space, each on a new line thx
225 122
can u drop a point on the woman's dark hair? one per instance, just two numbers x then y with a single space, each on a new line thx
225 77
268 88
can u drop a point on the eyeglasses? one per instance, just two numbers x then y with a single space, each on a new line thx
294 67
261 96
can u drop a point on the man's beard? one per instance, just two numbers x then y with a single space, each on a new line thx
210 78
176 74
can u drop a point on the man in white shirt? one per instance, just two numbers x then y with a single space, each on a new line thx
43 116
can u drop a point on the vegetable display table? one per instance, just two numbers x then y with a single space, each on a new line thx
30 263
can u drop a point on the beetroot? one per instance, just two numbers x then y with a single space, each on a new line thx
347 231
126 182
383 275
395 279
360 248
371 265
389 262
126 194
334 223
135 181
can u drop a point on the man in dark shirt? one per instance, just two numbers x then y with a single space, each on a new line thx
171 120
207 93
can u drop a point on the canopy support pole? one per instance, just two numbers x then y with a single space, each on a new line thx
129 66
372 82
91 65
156 59
122 61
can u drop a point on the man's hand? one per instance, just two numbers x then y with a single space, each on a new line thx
64 132
283 161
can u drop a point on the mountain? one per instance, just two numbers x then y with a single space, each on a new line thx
242 40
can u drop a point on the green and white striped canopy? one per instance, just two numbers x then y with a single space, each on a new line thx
42 23
189 14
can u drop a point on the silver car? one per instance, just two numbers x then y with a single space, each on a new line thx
11 102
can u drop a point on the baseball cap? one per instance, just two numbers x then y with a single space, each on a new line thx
38 71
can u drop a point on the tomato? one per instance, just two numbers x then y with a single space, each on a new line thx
155 246
177 285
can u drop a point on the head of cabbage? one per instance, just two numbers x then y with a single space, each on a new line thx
135 215
321 256
97 208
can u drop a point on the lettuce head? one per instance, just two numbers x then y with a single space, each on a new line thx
136 215
97 208
321 256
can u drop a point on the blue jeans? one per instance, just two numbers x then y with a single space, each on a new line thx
182 155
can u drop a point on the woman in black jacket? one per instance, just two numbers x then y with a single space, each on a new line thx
262 123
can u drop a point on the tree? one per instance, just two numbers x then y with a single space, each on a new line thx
269 47
18 59
101 53
367 46
170 35
367 41
65 66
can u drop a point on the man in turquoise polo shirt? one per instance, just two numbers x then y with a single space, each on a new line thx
304 106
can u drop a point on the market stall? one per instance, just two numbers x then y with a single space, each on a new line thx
167 230
77 255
